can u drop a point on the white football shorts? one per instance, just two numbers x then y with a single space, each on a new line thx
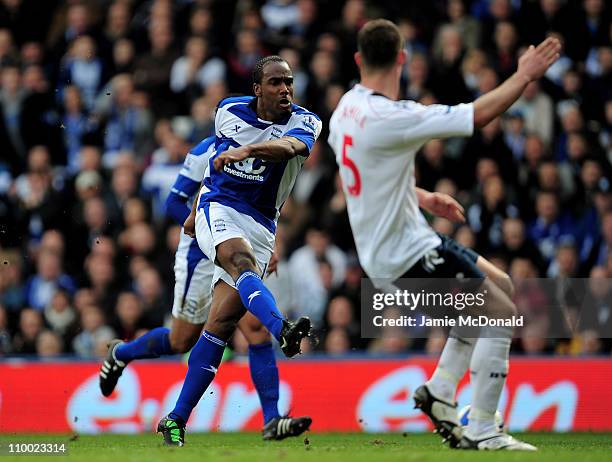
218 223
193 275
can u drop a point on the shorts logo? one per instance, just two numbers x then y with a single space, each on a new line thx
431 260
219 225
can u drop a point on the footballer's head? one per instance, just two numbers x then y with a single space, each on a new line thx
273 87
380 47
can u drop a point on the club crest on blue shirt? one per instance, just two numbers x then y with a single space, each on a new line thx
276 133
309 123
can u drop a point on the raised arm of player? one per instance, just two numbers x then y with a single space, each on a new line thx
531 66
441 205
278 150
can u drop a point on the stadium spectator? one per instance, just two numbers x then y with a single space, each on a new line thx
84 69
158 178
516 245
202 115
30 326
486 216
337 342
60 316
310 268
152 70
100 278
417 77
196 69
95 334
128 316
126 126
241 61
468 27
340 315
550 226
11 285
12 97
124 55
77 126
5 335
151 291
596 310
117 24
49 344
537 109
41 287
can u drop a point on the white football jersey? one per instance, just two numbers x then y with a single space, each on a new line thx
375 140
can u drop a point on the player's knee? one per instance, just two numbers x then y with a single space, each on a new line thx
499 304
505 283
222 325
243 261
505 308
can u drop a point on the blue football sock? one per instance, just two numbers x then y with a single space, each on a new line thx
153 344
203 363
264 373
260 301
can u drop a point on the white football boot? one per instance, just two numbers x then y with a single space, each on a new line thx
495 442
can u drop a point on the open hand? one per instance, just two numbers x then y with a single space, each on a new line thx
443 205
272 265
189 225
534 63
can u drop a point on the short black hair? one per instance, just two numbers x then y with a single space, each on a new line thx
379 42
259 66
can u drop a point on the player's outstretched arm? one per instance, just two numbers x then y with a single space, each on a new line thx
441 205
531 66
278 150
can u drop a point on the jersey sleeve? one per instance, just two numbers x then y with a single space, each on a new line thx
406 123
419 122
194 168
307 129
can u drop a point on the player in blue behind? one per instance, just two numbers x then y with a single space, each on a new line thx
192 299
261 144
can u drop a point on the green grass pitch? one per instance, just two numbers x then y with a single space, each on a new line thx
336 447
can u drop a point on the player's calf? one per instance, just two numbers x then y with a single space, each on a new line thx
184 335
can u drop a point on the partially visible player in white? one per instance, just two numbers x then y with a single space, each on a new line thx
375 138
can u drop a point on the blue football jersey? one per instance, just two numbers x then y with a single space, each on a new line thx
255 187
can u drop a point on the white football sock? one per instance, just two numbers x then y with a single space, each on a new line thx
488 368
452 366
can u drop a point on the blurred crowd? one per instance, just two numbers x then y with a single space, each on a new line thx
100 101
